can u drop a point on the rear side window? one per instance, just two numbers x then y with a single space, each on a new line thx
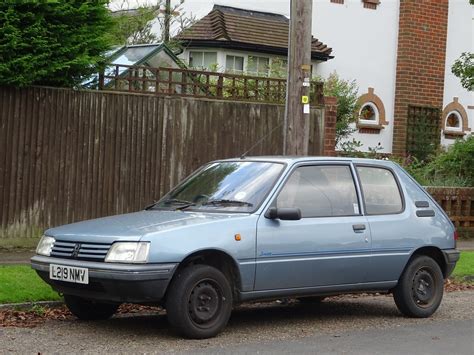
320 191
380 190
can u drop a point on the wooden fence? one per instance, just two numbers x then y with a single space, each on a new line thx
69 155
459 205
198 83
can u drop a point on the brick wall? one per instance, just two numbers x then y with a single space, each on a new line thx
330 113
420 62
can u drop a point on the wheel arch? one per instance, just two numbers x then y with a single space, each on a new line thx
433 252
217 258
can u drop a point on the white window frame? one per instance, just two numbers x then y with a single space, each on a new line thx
453 129
376 111
202 58
258 57
233 70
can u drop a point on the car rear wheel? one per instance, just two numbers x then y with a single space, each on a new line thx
89 310
199 302
420 289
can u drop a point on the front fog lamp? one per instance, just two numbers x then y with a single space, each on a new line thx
45 245
128 252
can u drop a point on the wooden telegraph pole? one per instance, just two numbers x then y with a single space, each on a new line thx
296 124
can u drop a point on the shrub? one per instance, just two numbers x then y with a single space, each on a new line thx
451 167
346 92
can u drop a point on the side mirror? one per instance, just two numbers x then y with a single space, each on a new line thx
285 213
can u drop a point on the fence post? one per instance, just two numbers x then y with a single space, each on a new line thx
184 86
101 80
116 77
220 85
157 81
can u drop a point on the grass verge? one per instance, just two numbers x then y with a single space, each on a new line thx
19 283
465 265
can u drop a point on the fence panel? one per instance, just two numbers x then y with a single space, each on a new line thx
70 155
199 83
458 202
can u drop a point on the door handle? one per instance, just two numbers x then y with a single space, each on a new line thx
358 228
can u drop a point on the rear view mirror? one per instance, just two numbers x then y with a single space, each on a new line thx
284 213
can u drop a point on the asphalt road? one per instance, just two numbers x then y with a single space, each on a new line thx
366 325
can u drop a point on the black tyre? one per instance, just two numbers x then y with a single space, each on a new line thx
420 289
312 299
199 302
88 309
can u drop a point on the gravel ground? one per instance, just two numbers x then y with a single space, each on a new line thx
254 324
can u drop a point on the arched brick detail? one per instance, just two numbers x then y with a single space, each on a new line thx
456 106
371 97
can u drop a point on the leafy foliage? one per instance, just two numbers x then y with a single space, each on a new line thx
52 43
136 26
451 167
346 92
463 68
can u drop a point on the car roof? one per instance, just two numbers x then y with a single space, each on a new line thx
301 159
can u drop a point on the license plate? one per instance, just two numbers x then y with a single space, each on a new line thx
73 274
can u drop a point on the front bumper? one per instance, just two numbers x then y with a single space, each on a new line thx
111 282
451 256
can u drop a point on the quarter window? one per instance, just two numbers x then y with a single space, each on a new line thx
380 190
320 191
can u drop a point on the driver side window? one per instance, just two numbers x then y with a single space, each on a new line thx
320 191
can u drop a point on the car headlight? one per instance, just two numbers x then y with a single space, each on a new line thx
45 245
128 252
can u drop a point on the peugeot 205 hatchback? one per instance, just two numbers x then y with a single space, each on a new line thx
258 228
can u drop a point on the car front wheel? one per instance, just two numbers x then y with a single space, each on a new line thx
199 302
89 310
420 289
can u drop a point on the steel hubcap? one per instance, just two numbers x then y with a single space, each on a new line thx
204 302
423 287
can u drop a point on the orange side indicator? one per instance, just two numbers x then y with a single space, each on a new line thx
238 237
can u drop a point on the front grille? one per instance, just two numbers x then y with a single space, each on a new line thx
80 251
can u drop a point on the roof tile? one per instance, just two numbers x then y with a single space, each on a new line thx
242 26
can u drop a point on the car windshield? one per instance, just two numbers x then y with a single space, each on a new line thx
231 186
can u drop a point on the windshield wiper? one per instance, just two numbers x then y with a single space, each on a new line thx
172 201
230 202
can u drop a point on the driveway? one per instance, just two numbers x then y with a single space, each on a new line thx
361 325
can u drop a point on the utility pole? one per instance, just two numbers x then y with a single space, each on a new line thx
296 124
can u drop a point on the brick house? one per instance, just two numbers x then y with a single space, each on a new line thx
400 52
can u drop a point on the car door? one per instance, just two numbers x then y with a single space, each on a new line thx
329 245
391 223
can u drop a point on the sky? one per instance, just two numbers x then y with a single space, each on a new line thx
199 8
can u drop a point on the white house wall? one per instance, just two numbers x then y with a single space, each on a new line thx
223 53
364 43
460 39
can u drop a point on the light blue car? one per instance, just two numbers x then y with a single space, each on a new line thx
258 228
